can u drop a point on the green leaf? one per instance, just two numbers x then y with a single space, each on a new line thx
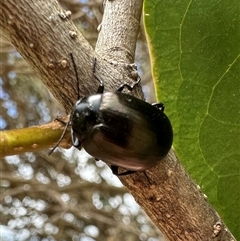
195 54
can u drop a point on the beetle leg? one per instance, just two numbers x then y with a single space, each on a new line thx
149 179
115 171
159 105
75 141
129 87
61 121
60 139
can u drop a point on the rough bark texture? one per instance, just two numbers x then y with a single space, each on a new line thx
175 203
44 35
42 32
119 30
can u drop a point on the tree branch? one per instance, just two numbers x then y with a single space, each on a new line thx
35 138
42 32
119 30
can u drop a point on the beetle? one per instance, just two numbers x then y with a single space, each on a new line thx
121 129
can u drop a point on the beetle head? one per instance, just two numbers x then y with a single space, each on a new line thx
84 115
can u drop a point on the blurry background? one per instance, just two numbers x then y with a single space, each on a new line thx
67 196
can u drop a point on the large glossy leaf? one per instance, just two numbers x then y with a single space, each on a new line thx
195 54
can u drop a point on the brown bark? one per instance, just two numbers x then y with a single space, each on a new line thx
45 36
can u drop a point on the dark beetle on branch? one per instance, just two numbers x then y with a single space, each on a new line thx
120 129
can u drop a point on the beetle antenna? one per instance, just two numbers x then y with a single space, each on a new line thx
101 85
78 97
60 139
76 74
